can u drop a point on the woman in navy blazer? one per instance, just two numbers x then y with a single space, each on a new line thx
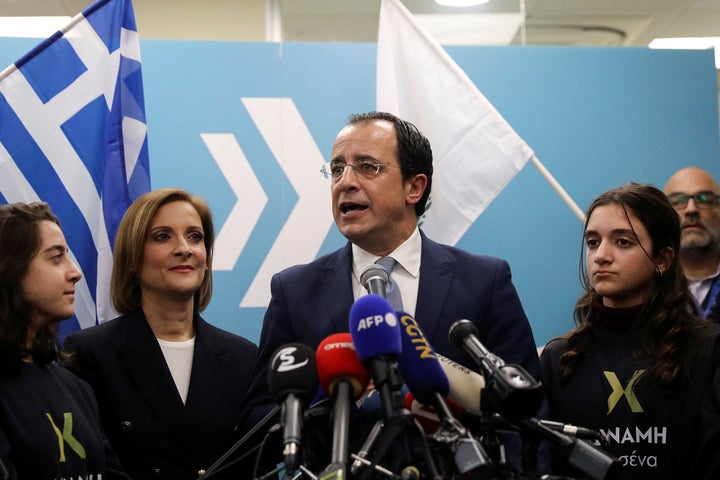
170 386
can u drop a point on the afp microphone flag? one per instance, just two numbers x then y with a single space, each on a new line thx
475 151
73 134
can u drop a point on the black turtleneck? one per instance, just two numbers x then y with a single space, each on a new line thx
657 434
616 320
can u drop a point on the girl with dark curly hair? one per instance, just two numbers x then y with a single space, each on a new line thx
640 366
49 419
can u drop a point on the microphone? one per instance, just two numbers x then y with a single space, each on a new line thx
511 389
465 385
573 431
593 462
375 333
423 374
427 381
342 377
375 279
293 382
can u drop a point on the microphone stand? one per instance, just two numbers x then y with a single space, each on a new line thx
490 426
579 454
387 433
529 445
219 463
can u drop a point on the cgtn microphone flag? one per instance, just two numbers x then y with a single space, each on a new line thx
73 134
476 152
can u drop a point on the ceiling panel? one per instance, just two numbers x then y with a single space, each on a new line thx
552 22
631 23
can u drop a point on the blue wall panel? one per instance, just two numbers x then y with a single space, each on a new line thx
596 118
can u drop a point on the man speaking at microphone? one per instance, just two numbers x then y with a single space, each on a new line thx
380 175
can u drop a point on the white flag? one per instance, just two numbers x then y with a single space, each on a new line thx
475 151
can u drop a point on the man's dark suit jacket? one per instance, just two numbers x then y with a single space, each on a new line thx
152 432
310 302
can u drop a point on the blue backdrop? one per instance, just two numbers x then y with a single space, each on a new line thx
596 118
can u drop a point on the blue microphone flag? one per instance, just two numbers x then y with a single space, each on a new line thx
420 367
374 327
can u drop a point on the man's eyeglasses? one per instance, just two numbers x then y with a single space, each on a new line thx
366 168
703 200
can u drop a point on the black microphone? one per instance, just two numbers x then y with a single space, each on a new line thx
511 389
344 378
573 431
292 379
592 461
375 279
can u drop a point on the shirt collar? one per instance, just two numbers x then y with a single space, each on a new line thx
709 277
407 254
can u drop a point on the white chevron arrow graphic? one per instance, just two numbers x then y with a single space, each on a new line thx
307 226
251 198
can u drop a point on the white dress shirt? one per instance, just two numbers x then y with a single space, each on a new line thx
406 273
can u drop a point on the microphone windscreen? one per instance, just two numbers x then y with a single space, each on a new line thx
337 360
465 385
293 371
374 327
461 330
419 365
371 271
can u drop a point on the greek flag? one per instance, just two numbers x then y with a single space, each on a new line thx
73 134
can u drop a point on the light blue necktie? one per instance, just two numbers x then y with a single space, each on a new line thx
392 291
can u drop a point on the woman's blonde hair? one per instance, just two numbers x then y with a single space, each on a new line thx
130 245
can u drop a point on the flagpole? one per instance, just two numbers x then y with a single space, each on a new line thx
558 188
6 73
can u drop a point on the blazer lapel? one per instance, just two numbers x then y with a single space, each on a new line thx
336 276
209 372
146 368
437 268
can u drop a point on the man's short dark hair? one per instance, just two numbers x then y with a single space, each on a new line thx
414 152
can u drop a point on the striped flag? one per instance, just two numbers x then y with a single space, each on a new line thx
475 151
73 134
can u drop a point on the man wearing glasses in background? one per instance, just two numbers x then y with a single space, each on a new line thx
695 195
379 177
